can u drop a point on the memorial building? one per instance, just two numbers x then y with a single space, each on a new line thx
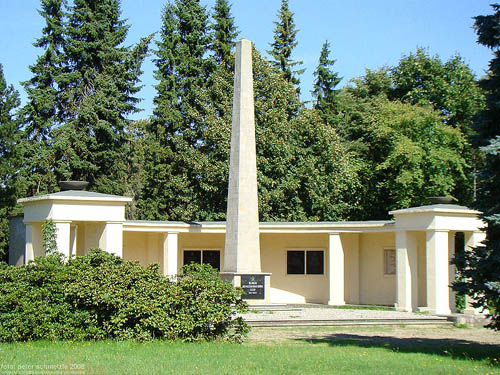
403 262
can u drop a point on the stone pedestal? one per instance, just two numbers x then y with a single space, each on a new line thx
257 286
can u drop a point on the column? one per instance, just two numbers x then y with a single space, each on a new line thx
336 270
63 237
438 300
29 253
111 239
170 250
73 237
472 239
451 254
406 271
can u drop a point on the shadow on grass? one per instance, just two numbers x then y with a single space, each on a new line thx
451 348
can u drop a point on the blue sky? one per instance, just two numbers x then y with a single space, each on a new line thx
362 33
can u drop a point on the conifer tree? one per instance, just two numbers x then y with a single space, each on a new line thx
98 96
9 157
478 267
42 113
225 33
284 43
324 91
183 70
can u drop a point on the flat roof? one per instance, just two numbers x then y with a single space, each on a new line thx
76 195
442 208
270 227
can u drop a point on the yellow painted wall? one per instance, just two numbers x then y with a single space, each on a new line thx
375 287
293 288
365 282
144 247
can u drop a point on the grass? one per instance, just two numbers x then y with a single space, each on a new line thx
332 353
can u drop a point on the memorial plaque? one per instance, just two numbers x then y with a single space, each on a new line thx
253 285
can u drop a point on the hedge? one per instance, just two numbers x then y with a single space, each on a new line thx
100 296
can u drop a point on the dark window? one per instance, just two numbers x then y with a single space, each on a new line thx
295 262
192 256
315 263
212 257
300 262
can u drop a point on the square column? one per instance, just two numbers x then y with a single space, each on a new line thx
29 253
73 240
452 276
335 270
111 239
406 271
63 237
438 298
170 251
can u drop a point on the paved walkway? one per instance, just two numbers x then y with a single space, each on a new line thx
324 315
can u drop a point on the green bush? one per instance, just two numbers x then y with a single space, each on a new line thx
99 296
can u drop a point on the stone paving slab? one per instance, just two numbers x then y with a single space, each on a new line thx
329 313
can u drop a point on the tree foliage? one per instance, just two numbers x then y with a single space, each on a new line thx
44 111
225 33
9 157
423 85
478 267
98 96
284 42
180 109
449 87
324 89
407 153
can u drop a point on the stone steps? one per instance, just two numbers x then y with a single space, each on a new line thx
441 321
273 308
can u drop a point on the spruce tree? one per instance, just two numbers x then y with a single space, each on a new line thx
284 42
42 113
324 90
182 69
9 157
225 33
478 267
102 78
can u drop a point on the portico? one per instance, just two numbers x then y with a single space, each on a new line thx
439 223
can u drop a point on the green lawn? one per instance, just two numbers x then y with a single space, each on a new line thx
346 354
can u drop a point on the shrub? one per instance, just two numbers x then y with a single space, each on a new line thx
49 235
99 296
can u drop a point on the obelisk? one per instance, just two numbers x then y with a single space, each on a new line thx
242 250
